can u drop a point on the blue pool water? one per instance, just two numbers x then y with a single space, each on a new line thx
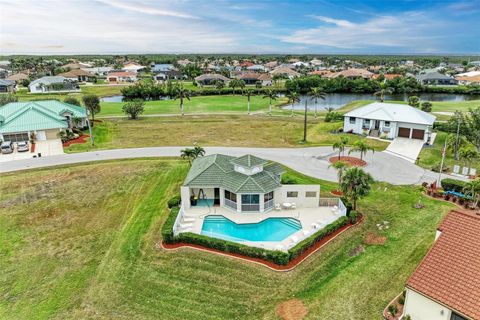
271 229
205 203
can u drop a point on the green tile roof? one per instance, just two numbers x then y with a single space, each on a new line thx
217 170
36 115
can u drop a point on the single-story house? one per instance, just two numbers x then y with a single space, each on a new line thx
250 77
45 119
169 75
468 80
76 65
265 79
435 78
18 77
352 73
446 284
7 85
387 76
121 76
100 71
210 79
77 75
257 67
162 67
53 84
285 71
132 67
389 120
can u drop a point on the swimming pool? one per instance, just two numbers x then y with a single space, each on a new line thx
271 229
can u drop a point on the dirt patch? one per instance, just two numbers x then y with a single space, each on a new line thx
351 161
293 309
338 193
374 239
356 251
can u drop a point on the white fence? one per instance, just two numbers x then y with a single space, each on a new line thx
177 220
331 202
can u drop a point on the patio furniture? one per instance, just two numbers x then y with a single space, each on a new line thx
315 225
279 247
188 219
306 232
465 171
278 207
294 239
287 205
473 171
293 205
456 169
185 225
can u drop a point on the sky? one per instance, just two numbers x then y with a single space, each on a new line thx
224 26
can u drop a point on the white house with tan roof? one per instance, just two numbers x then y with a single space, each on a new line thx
389 120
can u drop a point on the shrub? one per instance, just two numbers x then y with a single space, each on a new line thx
174 201
393 309
401 299
167 228
286 179
332 116
452 185
354 216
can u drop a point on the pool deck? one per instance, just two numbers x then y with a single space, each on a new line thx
312 220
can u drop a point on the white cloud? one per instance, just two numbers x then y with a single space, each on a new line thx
405 30
137 7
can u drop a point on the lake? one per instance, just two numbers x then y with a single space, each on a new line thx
338 100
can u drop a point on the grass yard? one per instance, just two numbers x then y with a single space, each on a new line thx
220 130
200 104
99 90
80 241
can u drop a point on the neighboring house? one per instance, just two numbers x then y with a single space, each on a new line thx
184 62
468 80
435 78
265 79
316 62
76 75
389 120
121 76
132 67
45 119
53 84
352 73
210 79
285 71
7 85
76 65
271 65
169 75
100 71
257 67
446 284
250 77
18 77
156 67
387 76
321 73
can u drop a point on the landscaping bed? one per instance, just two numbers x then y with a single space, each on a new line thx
351 161
394 310
82 139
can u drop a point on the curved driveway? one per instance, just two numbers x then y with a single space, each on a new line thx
309 161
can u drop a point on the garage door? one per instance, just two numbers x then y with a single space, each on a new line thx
15 137
41 136
418 134
404 132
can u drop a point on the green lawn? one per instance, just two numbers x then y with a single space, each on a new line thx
201 104
80 241
219 130
100 90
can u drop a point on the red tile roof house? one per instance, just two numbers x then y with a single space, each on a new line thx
122 76
446 284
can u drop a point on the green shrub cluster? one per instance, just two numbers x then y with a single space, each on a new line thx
353 216
333 116
286 179
452 185
174 201
275 256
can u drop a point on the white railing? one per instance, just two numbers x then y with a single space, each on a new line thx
177 220
331 202
229 203
269 204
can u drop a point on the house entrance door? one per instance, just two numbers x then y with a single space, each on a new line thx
216 196
377 124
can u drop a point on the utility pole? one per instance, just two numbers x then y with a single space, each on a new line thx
305 122
90 128
441 164
457 139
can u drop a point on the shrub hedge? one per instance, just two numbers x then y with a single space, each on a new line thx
275 256
452 185
174 201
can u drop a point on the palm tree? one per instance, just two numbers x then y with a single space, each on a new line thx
472 189
355 184
241 84
361 147
187 154
233 84
292 98
181 93
340 166
219 85
383 89
248 93
468 154
340 145
315 94
198 152
272 95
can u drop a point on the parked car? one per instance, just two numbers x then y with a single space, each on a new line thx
22 146
6 147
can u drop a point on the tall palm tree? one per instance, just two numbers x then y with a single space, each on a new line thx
356 184
472 189
272 95
181 93
198 152
383 89
468 154
187 154
340 166
241 85
361 147
340 145
293 97
248 93
233 84
315 94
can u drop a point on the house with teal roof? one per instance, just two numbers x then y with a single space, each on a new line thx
43 119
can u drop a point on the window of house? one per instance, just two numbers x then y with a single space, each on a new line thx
387 123
292 194
230 196
311 194
250 199
353 120
268 196
456 316
366 123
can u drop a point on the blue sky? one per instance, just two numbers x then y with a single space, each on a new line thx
223 26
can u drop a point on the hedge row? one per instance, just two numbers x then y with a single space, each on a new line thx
275 256
452 185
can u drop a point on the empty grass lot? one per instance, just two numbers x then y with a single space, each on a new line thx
232 130
79 242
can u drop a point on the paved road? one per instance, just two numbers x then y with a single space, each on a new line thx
309 161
